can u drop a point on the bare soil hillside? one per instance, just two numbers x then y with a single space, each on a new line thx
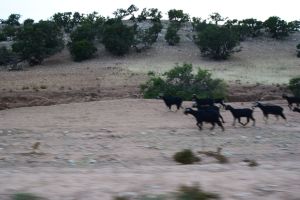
261 70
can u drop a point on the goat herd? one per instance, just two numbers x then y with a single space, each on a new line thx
207 111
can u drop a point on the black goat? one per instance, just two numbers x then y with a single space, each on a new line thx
270 109
172 100
203 102
207 101
215 108
296 110
237 113
210 116
291 100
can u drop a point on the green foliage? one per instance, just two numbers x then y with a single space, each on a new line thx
185 156
245 28
83 32
35 42
5 56
176 19
25 196
121 13
194 193
216 42
63 20
171 36
2 37
199 24
252 26
216 18
13 20
82 49
178 16
28 22
117 37
294 86
145 37
180 81
279 28
9 30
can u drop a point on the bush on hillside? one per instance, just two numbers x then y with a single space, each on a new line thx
6 56
82 50
181 81
2 37
176 19
37 41
117 37
217 42
171 36
147 26
294 86
279 28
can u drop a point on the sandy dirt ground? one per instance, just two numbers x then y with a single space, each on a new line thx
101 149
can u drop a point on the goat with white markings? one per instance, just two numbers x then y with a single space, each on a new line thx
291 100
238 113
268 109
210 116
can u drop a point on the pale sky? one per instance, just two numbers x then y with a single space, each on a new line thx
234 9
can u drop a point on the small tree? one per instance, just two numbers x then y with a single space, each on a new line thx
117 37
6 56
216 42
180 81
176 19
294 86
171 36
199 24
13 20
279 28
35 42
82 49
145 36
252 26
216 18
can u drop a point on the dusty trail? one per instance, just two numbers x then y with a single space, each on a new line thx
103 148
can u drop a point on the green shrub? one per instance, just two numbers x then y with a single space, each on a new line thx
5 56
180 81
176 19
186 156
2 37
171 36
82 50
194 193
117 37
279 28
25 196
217 42
35 42
294 86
